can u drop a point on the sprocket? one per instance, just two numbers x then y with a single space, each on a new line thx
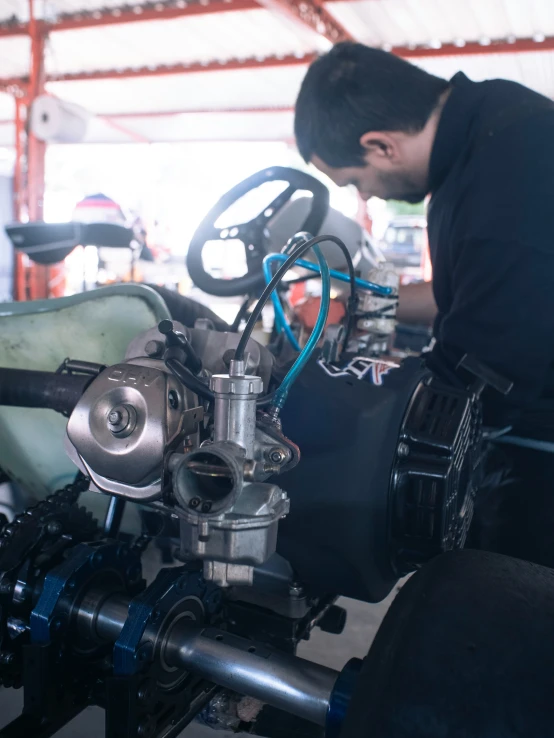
32 544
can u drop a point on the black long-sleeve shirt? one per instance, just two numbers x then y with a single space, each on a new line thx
491 235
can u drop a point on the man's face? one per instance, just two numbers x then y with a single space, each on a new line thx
375 179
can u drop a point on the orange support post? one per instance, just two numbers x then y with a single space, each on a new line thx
36 153
32 281
19 198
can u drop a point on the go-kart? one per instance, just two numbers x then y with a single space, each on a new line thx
281 486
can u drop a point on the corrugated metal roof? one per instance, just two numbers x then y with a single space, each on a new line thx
405 22
202 38
14 10
15 56
50 9
239 89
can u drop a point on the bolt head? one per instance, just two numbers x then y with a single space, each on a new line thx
154 349
277 455
6 658
403 450
54 527
144 693
146 728
296 590
121 420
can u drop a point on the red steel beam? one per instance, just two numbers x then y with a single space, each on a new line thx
521 45
126 14
312 14
406 52
475 48
193 111
14 29
148 12
194 67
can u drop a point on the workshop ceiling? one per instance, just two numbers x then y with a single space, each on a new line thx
231 69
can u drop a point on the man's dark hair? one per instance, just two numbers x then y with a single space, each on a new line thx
354 89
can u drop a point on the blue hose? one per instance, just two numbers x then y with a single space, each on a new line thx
281 322
284 388
340 276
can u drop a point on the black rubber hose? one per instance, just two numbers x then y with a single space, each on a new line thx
186 377
25 388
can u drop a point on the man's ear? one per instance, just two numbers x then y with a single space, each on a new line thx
379 144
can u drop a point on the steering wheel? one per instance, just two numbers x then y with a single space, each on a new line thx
252 234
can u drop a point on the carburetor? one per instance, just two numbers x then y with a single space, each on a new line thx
230 514
199 452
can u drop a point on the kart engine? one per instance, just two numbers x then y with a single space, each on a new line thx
141 434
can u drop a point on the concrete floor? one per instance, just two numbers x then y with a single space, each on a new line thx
330 650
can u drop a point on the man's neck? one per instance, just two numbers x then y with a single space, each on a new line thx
426 138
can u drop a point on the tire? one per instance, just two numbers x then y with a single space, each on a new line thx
465 651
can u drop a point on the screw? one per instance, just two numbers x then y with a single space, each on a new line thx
6 588
6 658
121 418
296 590
206 507
403 450
54 527
144 653
277 455
173 398
57 624
228 356
144 693
146 728
194 503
